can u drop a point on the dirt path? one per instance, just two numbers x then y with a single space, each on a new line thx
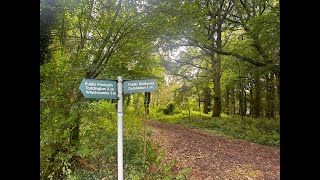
215 157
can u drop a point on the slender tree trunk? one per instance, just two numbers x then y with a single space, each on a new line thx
241 93
75 129
206 100
242 103
188 105
128 99
136 102
278 91
217 96
199 103
216 62
157 99
147 96
241 100
257 96
226 109
251 100
245 101
232 105
63 36
270 96
199 99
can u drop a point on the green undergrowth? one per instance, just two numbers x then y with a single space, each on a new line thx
98 148
263 131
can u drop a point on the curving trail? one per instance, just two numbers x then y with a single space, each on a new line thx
215 157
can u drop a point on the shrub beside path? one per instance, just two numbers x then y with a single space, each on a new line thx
211 156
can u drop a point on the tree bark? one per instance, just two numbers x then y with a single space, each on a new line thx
251 100
245 101
63 36
217 96
278 90
75 129
270 96
128 99
216 65
206 100
136 102
157 101
257 96
147 96
232 105
227 97
241 99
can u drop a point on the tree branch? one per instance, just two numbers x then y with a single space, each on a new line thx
256 63
233 21
189 63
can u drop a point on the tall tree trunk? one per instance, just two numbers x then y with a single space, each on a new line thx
241 99
241 93
257 96
217 96
199 102
128 99
199 99
157 99
136 102
278 90
251 100
75 129
270 96
147 96
232 105
245 102
206 100
216 62
227 97
63 35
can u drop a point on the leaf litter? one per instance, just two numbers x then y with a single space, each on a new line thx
211 156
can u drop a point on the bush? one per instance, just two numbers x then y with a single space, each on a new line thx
99 145
169 109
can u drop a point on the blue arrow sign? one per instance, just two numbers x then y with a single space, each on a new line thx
143 85
99 89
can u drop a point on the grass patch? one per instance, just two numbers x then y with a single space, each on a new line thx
258 130
99 146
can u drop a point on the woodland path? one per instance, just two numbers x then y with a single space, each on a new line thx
211 156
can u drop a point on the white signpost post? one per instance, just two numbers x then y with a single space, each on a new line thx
120 117
105 89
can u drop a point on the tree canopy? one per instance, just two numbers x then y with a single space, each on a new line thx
210 56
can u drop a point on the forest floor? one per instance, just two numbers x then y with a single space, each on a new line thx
211 156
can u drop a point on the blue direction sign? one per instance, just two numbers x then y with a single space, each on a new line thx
143 85
99 89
